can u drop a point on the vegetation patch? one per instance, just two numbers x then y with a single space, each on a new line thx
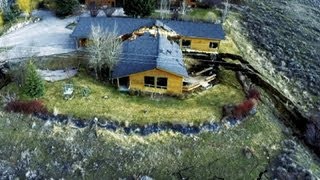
75 153
105 101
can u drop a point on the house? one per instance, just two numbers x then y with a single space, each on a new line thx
151 63
152 55
191 36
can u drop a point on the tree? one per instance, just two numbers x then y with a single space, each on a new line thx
34 85
1 19
65 7
164 8
104 49
183 7
139 8
226 10
93 8
4 5
28 6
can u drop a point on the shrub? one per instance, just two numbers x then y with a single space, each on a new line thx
34 85
243 109
25 6
253 93
64 8
26 107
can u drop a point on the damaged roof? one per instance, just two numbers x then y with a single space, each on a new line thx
125 25
149 52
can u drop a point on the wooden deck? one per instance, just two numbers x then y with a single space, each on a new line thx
198 81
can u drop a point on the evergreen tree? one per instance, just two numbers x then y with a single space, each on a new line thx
139 8
1 19
66 7
34 85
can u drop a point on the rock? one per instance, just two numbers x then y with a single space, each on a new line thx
105 97
145 178
248 152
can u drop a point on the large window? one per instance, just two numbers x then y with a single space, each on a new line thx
213 45
149 81
186 43
162 83
158 82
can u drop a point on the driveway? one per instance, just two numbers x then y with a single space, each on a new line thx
46 37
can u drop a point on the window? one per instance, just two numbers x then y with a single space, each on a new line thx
157 82
213 45
186 43
149 81
162 83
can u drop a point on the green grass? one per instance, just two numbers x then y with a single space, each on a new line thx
204 14
160 156
201 107
194 15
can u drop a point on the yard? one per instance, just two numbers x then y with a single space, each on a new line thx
106 102
72 153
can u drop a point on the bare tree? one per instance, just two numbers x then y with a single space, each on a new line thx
164 8
104 49
226 10
4 5
183 7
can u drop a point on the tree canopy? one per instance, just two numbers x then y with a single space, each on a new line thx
139 8
104 49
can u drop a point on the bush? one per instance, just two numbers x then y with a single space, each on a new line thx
26 107
243 109
26 6
34 85
253 93
64 8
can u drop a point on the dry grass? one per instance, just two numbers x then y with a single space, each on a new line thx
228 46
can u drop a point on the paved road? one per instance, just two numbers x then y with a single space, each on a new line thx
46 37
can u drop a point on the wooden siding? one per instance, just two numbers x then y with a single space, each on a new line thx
200 44
174 85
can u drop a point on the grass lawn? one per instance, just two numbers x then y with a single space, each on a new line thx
73 153
201 107
204 14
195 14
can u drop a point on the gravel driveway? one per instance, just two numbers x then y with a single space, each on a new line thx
46 37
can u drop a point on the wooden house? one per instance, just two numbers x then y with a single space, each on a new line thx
192 36
152 58
151 63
